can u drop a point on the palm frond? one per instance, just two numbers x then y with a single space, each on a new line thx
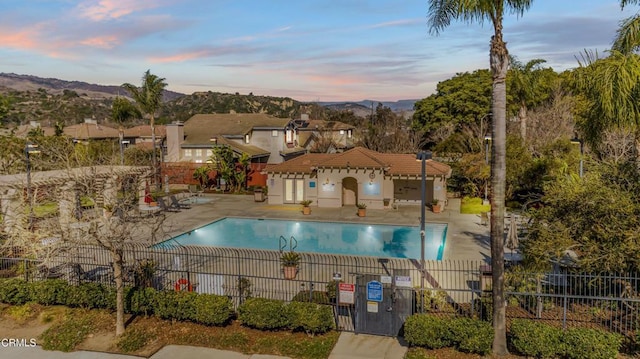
627 38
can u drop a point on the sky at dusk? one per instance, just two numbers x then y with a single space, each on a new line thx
311 50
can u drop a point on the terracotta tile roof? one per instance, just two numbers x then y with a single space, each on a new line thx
359 157
145 131
200 128
302 164
85 131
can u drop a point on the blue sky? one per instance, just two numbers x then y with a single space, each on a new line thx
311 50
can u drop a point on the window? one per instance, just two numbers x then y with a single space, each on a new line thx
349 134
209 153
246 138
274 133
289 136
342 132
198 153
198 161
187 153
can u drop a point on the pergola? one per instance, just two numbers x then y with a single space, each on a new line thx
69 183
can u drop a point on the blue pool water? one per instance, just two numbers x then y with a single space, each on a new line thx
320 237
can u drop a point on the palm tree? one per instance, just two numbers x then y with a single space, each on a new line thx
627 38
526 88
148 98
441 13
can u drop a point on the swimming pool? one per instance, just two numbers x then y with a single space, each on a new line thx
376 240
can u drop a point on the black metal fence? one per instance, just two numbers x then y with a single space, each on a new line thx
460 288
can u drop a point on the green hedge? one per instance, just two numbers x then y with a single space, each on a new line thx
140 301
14 291
536 339
427 331
311 317
50 292
207 309
90 296
471 335
581 343
261 313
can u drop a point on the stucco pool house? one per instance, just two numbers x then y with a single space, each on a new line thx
359 175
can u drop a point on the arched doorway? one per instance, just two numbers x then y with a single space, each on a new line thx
349 191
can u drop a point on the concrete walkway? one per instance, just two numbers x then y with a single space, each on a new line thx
349 345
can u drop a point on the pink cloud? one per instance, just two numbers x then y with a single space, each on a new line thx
178 57
103 42
100 10
23 40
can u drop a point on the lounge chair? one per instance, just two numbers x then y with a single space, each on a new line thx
177 204
195 190
165 207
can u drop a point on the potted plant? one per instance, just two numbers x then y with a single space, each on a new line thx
362 209
305 206
435 206
290 261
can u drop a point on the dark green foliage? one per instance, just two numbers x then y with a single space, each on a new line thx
171 305
310 317
471 335
141 301
261 313
426 331
536 339
89 295
49 292
313 297
211 309
584 343
14 291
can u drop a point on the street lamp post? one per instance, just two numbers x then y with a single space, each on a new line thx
579 142
423 156
30 148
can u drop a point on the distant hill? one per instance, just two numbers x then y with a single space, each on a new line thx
56 86
51 100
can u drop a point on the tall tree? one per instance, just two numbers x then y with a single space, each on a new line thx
441 13
627 38
148 98
528 88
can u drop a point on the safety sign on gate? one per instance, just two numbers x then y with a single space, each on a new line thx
347 293
374 291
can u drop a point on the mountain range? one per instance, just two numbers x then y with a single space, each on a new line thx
53 100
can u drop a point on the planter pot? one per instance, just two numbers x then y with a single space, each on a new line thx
362 212
306 210
290 272
435 208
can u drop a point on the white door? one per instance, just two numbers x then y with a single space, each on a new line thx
288 190
299 190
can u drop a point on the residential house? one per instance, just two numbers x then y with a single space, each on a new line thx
358 175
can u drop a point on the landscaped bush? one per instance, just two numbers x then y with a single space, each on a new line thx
211 309
536 339
310 317
261 313
313 297
174 305
426 331
582 343
14 291
90 296
140 301
471 335
49 292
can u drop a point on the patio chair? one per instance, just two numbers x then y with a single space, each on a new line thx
195 190
165 207
177 204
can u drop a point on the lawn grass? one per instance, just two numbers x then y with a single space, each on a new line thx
473 206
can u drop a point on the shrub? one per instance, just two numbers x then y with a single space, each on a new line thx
584 343
175 305
313 297
536 339
261 313
471 335
50 292
310 317
426 331
14 291
211 309
140 301
90 296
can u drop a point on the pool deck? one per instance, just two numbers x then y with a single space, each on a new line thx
466 238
